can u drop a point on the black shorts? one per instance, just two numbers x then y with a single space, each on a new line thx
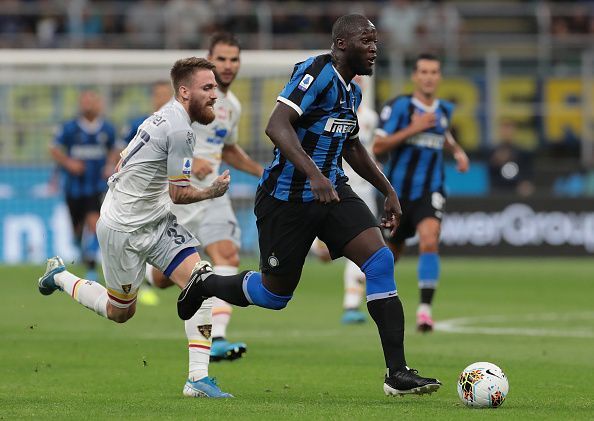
286 230
79 207
430 205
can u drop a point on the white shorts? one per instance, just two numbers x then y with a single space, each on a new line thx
124 255
210 220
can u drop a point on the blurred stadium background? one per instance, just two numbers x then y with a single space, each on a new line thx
520 73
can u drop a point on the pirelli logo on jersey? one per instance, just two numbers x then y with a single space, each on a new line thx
340 125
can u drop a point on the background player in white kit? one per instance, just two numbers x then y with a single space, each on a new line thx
136 225
354 279
213 222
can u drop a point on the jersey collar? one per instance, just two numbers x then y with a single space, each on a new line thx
182 110
427 108
346 85
91 127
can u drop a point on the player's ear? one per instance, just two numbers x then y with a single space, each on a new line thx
340 44
184 93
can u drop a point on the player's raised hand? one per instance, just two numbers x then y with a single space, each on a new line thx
424 121
322 189
221 184
201 168
393 213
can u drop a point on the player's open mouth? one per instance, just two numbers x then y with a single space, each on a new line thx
371 61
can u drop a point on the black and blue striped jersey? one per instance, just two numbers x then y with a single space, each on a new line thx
327 118
415 167
89 143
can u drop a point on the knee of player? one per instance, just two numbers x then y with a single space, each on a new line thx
279 305
265 298
272 301
120 315
379 273
429 243
380 263
228 256
119 319
257 293
428 239
232 259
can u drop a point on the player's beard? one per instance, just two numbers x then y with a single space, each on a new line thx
201 113
359 65
222 84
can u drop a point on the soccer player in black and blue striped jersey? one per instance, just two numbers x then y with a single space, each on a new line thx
415 129
304 193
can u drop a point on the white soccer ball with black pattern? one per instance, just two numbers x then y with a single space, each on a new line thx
482 385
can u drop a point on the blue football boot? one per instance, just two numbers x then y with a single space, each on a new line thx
92 275
222 349
46 283
353 316
206 387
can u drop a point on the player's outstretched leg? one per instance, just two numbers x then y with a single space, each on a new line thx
198 331
241 290
198 327
90 294
354 280
385 308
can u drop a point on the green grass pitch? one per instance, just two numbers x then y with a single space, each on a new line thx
532 317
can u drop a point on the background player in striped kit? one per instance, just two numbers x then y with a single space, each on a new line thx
85 150
415 129
136 225
213 222
303 194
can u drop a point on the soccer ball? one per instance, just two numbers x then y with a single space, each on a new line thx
482 385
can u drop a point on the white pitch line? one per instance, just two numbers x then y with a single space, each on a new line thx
464 325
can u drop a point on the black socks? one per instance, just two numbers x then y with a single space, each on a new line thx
388 315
